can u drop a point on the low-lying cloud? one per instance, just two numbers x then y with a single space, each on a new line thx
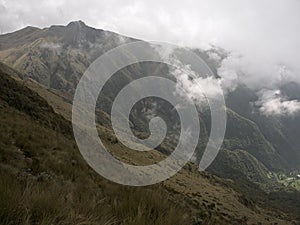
272 102
197 87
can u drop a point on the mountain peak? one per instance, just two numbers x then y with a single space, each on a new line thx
77 32
78 23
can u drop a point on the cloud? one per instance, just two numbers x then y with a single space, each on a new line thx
271 102
256 73
262 36
264 32
197 87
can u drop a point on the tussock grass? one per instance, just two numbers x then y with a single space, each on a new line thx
44 180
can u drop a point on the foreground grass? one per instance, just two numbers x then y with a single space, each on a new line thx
44 180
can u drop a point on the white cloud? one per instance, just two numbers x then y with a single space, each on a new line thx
198 88
271 102
214 56
256 73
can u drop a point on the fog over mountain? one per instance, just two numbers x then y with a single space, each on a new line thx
261 37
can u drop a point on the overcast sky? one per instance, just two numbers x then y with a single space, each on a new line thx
263 35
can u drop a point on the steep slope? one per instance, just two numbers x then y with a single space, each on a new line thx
281 131
18 96
46 181
228 163
245 134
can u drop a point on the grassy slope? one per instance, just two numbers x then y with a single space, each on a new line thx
45 181
39 161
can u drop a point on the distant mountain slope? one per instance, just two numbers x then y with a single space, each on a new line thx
281 131
228 162
242 133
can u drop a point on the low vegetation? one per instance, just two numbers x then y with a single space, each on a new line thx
43 180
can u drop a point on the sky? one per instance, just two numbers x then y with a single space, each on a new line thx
262 36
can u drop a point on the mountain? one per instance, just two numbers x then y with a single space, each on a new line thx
256 149
281 131
56 56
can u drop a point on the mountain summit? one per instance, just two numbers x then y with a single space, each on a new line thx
57 56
